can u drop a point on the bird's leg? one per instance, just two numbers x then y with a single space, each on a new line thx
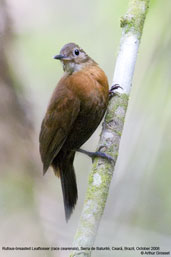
113 88
96 154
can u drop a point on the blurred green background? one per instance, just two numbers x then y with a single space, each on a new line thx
138 210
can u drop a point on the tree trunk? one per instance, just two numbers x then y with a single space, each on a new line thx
102 171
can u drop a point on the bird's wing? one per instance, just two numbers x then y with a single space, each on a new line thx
60 116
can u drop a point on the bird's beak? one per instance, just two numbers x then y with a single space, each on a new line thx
59 57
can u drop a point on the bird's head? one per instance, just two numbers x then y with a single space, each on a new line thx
73 58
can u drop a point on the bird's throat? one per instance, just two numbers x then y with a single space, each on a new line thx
71 67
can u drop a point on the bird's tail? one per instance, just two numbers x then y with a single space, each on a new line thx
65 170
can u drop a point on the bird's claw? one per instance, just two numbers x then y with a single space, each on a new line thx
93 155
113 88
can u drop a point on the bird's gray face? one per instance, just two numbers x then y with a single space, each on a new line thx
73 58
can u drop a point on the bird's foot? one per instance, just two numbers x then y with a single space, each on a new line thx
113 88
92 155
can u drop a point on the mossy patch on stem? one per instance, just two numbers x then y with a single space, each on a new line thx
120 100
134 19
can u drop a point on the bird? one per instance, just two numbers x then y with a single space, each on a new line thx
75 110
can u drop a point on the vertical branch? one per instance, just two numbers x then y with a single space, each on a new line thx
102 170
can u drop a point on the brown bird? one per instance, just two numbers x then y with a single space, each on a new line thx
75 110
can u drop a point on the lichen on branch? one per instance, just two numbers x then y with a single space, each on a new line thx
134 19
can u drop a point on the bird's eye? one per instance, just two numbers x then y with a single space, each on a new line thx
76 52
